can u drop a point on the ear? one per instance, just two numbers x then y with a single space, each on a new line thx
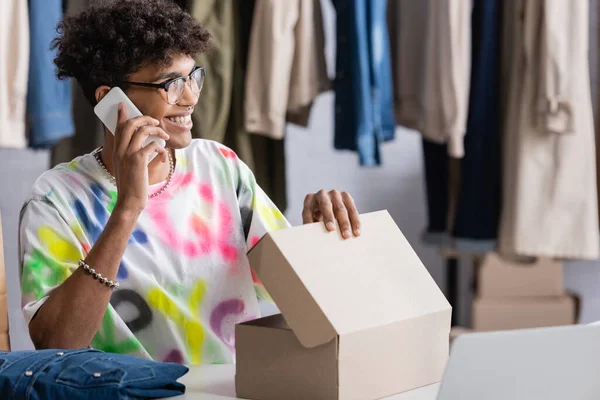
101 91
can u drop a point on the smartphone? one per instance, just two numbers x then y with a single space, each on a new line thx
107 111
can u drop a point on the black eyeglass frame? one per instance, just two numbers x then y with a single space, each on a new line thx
165 85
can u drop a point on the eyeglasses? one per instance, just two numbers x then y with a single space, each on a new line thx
174 88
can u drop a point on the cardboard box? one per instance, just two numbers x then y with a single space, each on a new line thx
362 318
498 277
491 314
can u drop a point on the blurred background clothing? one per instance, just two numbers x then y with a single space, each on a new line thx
14 48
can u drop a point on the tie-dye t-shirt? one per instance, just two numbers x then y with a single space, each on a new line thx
185 280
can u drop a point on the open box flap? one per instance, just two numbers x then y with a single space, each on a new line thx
327 286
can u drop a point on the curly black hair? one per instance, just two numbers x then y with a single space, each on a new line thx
112 39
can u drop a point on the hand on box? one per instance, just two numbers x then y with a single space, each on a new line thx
330 206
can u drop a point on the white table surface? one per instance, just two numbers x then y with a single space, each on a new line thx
216 382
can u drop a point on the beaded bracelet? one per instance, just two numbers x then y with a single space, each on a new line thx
91 271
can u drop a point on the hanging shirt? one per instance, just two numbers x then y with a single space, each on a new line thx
14 64
286 65
431 57
549 197
364 115
49 100
185 280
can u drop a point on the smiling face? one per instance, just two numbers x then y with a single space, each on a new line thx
144 41
175 119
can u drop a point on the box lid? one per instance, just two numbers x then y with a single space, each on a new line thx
327 286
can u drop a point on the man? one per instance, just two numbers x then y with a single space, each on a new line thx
148 259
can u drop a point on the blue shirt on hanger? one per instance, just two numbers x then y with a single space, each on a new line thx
49 101
363 83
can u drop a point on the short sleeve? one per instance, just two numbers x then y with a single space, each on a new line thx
49 252
258 213
270 61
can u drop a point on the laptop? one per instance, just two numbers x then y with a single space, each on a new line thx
559 363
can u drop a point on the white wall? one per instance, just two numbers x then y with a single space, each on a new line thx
18 171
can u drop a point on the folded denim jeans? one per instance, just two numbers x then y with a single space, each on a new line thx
86 374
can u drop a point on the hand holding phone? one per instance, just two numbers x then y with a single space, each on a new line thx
136 140
107 111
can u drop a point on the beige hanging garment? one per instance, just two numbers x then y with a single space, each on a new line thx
448 73
550 200
407 25
430 43
286 65
14 65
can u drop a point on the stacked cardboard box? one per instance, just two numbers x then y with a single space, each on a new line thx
519 295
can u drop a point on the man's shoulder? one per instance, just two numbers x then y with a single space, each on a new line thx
205 155
211 162
209 148
71 176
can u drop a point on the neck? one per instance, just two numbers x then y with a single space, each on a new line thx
157 170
